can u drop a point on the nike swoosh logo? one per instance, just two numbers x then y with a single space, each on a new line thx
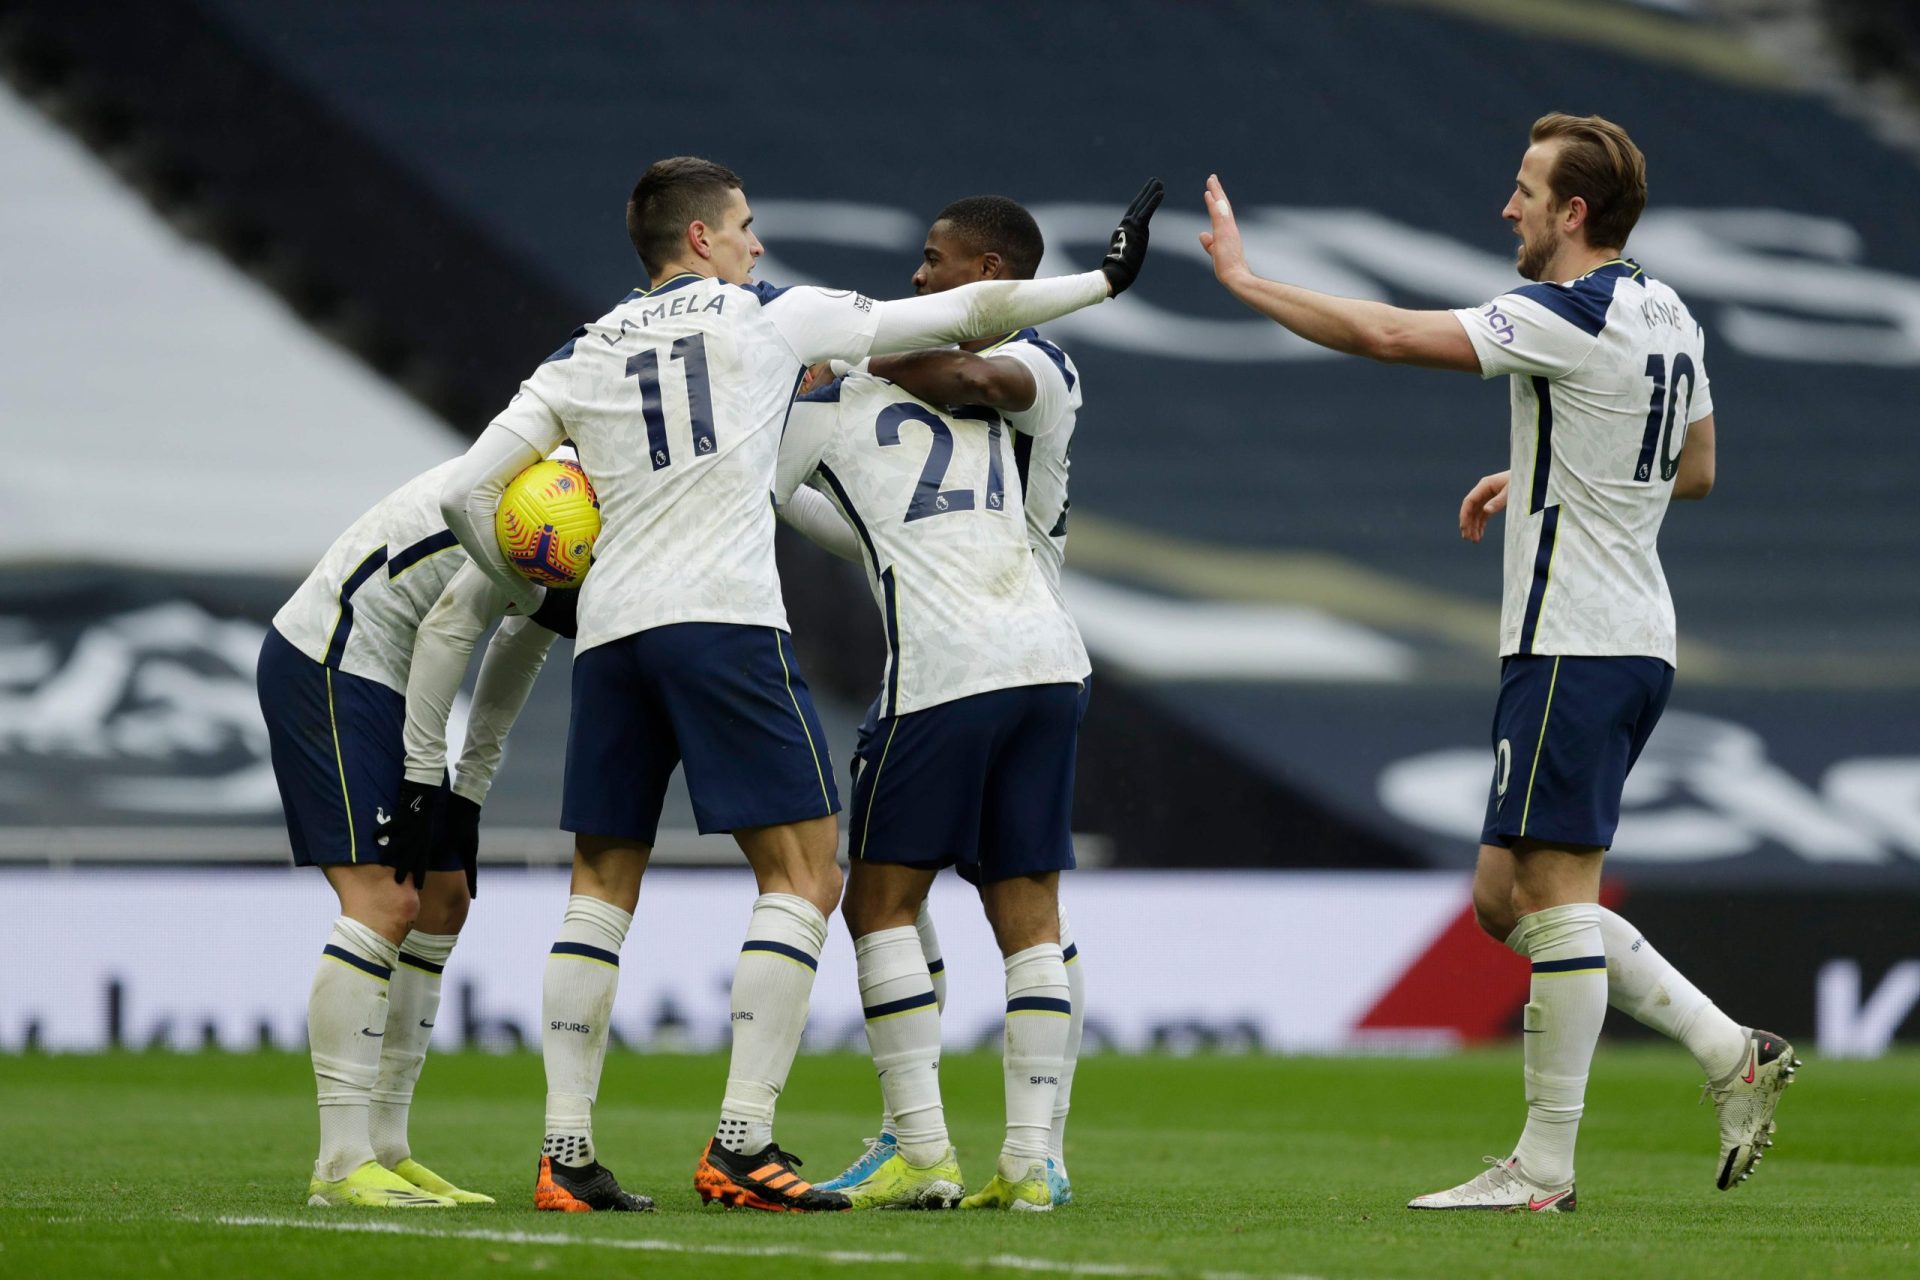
369 1031
426 1024
1753 1060
1535 1206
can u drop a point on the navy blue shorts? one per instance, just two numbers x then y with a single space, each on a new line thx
338 755
726 699
1565 733
983 783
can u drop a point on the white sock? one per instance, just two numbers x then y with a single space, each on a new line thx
583 971
413 999
346 1018
1562 1025
903 1033
937 975
930 948
1644 986
1077 992
1039 1011
772 986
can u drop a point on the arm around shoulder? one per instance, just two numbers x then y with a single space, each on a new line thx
952 376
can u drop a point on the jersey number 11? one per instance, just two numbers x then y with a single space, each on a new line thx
691 351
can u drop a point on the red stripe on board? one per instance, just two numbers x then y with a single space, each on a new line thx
1464 982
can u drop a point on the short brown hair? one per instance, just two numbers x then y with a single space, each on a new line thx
1599 163
669 195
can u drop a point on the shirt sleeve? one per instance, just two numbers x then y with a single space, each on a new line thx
813 514
1052 389
810 427
1701 405
532 414
819 324
514 657
442 647
980 309
1543 330
471 496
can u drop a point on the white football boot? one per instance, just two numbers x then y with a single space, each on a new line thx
1501 1187
1746 1101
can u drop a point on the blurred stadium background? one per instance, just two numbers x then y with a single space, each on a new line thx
263 261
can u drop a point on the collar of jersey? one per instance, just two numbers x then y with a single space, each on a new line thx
680 281
1628 265
1003 342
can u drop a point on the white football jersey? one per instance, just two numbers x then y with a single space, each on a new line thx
1043 443
358 610
675 400
1608 372
935 499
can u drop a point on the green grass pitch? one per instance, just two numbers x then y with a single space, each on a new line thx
160 1165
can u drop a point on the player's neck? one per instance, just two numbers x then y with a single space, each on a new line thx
675 269
1572 263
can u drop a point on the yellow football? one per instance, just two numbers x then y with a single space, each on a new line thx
547 521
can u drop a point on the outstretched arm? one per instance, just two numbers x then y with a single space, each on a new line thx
980 310
1395 335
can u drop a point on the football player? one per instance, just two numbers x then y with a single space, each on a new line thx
1036 390
333 678
1611 419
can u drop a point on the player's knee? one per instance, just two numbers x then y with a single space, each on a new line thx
392 907
443 907
1494 914
823 887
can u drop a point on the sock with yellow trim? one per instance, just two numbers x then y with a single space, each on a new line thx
1039 1015
346 1020
936 968
413 1001
1568 1002
1077 993
772 988
583 972
903 1032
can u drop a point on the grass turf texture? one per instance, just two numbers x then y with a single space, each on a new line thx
122 1165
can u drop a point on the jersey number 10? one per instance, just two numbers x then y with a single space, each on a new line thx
691 351
1661 412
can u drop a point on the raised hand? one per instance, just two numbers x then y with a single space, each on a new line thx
1484 500
1222 243
1127 249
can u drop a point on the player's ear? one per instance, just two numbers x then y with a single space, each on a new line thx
697 238
1575 216
992 266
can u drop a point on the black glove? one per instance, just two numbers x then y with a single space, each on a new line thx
1128 248
406 838
461 835
559 611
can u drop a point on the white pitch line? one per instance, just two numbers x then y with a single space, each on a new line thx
844 1257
